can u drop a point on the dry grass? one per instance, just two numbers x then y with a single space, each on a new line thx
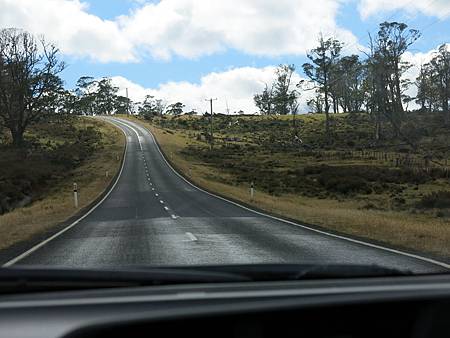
24 223
419 232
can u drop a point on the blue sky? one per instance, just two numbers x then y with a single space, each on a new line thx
187 49
152 72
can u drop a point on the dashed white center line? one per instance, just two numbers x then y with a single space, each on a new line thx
161 201
153 189
166 208
156 195
174 217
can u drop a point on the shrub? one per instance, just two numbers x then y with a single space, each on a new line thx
435 200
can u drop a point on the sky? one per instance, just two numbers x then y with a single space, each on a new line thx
191 50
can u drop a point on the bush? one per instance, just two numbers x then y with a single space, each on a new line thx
345 185
435 200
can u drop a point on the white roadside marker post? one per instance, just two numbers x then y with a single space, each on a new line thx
75 195
252 191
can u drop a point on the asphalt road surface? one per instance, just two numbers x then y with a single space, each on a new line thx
154 217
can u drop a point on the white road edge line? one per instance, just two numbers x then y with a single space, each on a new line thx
134 130
191 237
399 252
41 244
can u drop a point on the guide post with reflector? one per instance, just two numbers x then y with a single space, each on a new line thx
75 195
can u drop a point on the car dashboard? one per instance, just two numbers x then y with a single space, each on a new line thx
363 307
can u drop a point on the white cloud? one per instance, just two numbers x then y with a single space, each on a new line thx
234 87
187 28
191 28
67 23
438 8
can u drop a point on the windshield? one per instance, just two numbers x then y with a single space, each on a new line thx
180 133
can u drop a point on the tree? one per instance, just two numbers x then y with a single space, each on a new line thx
320 69
264 101
440 67
105 96
175 109
122 105
278 98
387 67
348 82
29 80
427 90
151 107
284 97
86 93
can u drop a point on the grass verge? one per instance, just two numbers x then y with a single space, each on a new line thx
57 205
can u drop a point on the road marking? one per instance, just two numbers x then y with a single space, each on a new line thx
375 246
156 195
174 217
161 201
191 237
166 208
153 189
41 244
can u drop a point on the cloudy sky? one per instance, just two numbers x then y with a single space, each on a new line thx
189 50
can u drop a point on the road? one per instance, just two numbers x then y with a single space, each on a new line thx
154 217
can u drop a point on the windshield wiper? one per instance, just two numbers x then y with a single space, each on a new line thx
279 272
18 280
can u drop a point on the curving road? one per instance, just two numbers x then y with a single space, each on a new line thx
154 217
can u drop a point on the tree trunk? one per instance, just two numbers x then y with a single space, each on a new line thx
377 126
327 119
446 111
17 137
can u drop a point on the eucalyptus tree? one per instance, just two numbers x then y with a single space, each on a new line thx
29 81
320 71
151 107
388 67
175 109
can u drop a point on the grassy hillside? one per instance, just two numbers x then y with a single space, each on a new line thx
36 183
387 190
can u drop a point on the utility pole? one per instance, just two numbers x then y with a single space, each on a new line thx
211 122
128 102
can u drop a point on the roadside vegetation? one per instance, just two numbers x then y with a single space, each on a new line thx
45 145
36 182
